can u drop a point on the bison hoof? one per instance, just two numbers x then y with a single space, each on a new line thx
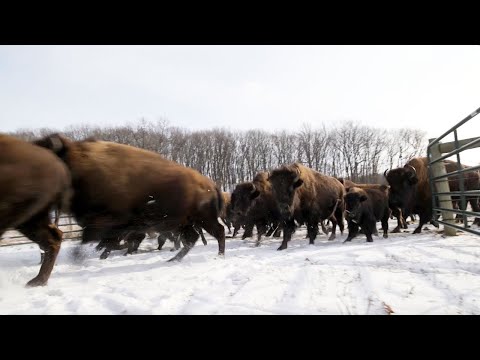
396 230
369 240
281 248
347 240
257 244
417 230
385 236
332 237
37 281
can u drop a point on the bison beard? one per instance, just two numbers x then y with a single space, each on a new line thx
121 191
33 182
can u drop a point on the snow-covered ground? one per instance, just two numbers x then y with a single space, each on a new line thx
406 274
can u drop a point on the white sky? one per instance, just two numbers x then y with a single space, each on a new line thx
240 87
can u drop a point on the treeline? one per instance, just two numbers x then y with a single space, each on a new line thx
352 150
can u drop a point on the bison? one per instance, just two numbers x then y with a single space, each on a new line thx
364 207
32 184
410 188
253 201
122 191
306 196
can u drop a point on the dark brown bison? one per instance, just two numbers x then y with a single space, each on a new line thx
254 202
307 197
121 191
398 213
394 211
33 182
410 188
363 208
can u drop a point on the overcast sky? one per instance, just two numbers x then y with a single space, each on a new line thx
240 87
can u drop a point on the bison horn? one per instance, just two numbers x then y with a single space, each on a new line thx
385 173
414 170
56 143
254 189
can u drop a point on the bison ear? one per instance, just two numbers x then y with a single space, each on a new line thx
297 183
363 198
347 189
341 180
254 194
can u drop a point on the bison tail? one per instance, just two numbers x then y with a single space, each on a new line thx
220 202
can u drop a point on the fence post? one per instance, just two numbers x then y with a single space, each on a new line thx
442 185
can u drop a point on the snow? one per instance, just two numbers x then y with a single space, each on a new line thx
408 274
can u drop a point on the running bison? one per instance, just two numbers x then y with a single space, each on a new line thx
254 203
33 182
410 188
121 191
307 197
363 208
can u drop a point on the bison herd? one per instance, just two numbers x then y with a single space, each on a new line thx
119 193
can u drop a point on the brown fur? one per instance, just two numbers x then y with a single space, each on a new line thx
417 197
364 207
120 189
32 183
312 198
253 202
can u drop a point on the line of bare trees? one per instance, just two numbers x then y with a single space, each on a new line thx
350 149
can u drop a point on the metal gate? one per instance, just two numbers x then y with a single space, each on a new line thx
439 179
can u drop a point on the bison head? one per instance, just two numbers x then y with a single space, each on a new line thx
402 183
285 181
243 197
353 201
54 142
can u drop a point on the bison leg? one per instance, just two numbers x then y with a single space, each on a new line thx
176 241
475 207
248 230
161 239
271 230
49 238
235 230
334 227
200 231
277 232
190 237
288 230
423 220
134 240
110 242
352 231
312 231
218 232
324 229
385 224
261 229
